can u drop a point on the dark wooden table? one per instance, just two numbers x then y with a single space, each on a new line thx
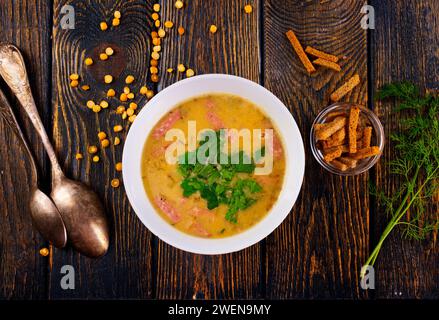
318 250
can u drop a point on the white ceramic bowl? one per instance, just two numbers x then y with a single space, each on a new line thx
169 98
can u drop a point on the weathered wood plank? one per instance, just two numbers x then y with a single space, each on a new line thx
22 270
126 270
318 251
404 47
234 49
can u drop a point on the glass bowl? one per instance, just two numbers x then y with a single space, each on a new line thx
378 139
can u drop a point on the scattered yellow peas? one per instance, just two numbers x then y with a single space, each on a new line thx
111 93
169 70
79 156
96 159
103 56
129 79
149 94
156 48
180 31
155 16
181 68
117 14
155 55
96 108
155 78
109 51
74 83
104 104
108 78
132 118
190 73
105 143
115 183
103 26
116 141
90 104
248 8
74 76
124 115
156 41
179 4
126 90
143 90
88 61
157 23
123 97
85 87
130 95
169 24
117 128
120 109
118 166
44 252
102 135
92 149
213 28
161 33
130 112
115 22
133 105
153 70
156 7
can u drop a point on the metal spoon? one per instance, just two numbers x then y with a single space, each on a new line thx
80 207
45 215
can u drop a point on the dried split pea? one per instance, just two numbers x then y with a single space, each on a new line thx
74 76
213 28
105 143
155 55
116 141
190 73
157 23
154 63
154 70
96 108
181 68
132 118
155 16
169 70
102 135
248 8
149 94
179 4
169 24
124 115
130 112
117 14
133 105
74 83
143 90
161 33
156 7
156 48
115 183
130 95
123 97
108 78
129 79
118 166
85 87
156 41
103 56
44 252
104 104
88 61
120 109
96 159
180 31
118 128
109 51
103 26
115 22
92 149
154 78
154 34
90 104
111 93
126 90
79 156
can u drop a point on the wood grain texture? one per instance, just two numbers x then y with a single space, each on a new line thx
234 49
22 270
404 47
126 270
319 249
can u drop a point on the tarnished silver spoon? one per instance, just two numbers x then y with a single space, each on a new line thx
80 207
45 215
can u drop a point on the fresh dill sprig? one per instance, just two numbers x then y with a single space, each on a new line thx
416 162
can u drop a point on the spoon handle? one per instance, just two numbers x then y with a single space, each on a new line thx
13 71
11 121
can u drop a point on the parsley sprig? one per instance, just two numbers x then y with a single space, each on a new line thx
416 161
229 184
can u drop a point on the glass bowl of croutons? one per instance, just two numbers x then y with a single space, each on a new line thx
347 139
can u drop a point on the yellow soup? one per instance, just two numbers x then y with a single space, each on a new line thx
213 199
